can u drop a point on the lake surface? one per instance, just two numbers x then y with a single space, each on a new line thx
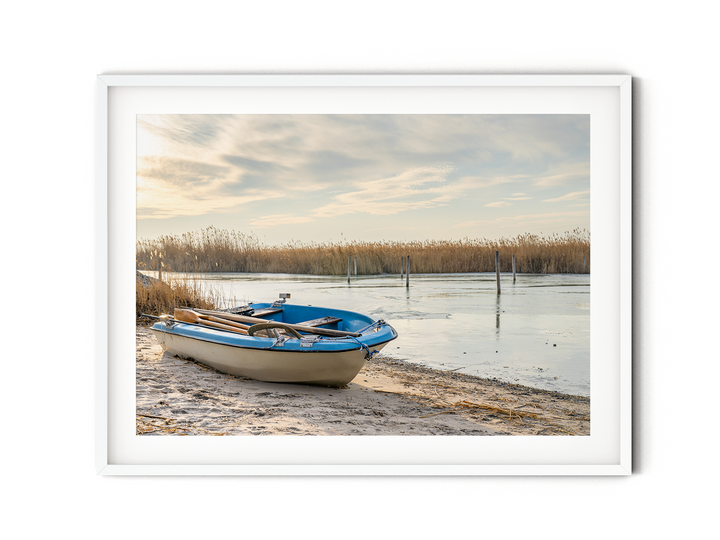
535 333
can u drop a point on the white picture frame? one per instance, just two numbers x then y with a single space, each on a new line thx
607 451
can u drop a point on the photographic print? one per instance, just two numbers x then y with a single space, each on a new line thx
363 274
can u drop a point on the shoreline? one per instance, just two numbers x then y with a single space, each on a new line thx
388 397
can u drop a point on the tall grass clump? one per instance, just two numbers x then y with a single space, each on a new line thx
156 297
219 250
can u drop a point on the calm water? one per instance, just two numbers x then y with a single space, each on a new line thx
536 333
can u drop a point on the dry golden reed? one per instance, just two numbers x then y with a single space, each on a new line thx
221 250
156 297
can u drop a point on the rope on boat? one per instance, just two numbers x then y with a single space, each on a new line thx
378 324
165 324
368 354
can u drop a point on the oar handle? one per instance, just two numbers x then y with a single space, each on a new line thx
188 315
200 324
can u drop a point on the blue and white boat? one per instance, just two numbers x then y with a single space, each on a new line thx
302 344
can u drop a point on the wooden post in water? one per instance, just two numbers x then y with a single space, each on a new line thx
513 268
584 263
407 272
401 266
355 261
497 270
160 266
348 270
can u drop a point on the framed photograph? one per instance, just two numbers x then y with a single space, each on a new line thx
592 112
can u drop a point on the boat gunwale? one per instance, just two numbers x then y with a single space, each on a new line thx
357 345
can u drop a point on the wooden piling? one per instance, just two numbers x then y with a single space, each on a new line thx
584 263
497 270
160 267
401 267
355 262
348 270
513 268
407 272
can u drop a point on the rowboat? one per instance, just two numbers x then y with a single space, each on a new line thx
277 342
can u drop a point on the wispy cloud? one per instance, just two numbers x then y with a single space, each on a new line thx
569 197
425 187
169 187
528 220
484 181
517 198
499 204
179 172
275 220
179 203
565 174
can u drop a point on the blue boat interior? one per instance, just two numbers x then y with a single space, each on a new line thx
372 332
338 319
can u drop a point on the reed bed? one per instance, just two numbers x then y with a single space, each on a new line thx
221 250
156 297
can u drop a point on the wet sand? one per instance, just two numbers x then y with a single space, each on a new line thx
388 397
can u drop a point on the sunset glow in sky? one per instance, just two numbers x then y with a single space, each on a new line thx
363 177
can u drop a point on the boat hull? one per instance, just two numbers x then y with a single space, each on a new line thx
283 366
318 360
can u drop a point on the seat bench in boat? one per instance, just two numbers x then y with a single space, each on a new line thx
266 312
315 323
321 322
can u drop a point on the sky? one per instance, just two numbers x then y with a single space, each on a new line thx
331 178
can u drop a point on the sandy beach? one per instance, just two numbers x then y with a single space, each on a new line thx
388 397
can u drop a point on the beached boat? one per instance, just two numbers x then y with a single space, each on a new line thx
277 342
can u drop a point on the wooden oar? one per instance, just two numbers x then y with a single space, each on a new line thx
270 331
216 322
223 321
169 318
298 327
187 315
